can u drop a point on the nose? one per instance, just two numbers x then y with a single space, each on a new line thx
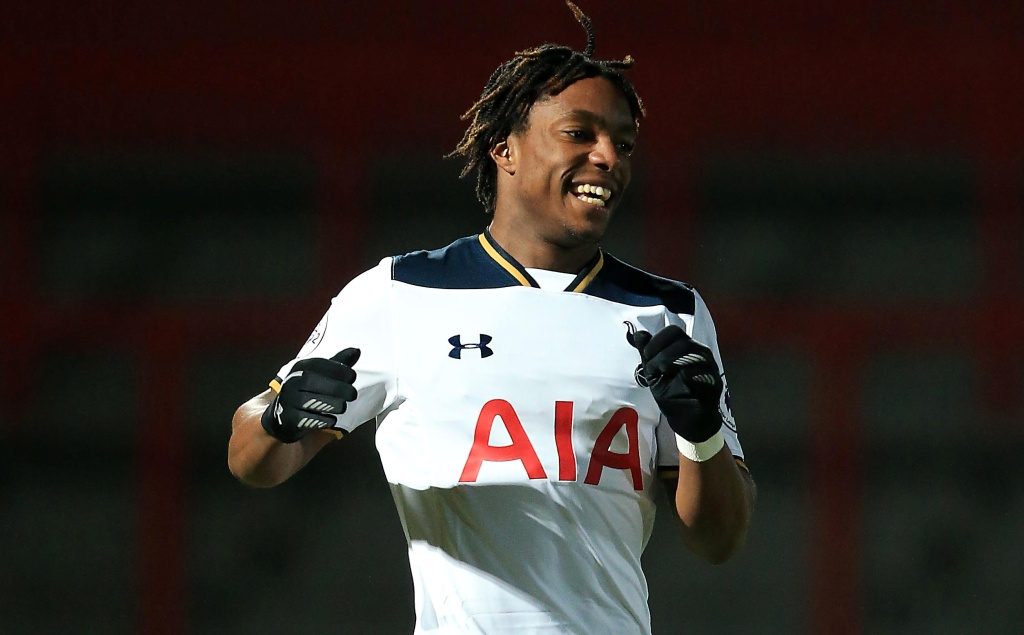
603 154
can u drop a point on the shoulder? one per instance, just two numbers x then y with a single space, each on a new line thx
461 265
621 282
370 282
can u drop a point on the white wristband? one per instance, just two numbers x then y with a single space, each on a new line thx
702 451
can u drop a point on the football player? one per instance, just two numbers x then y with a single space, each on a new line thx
531 393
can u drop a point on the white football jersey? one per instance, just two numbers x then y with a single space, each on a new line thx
521 450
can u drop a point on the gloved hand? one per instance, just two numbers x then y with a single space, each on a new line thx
314 389
685 381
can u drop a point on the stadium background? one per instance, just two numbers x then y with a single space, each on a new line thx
183 186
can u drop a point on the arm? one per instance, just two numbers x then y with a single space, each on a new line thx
316 399
260 460
713 495
274 436
714 501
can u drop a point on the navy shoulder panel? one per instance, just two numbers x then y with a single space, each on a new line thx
626 284
461 265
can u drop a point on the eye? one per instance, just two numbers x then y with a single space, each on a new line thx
578 134
626 147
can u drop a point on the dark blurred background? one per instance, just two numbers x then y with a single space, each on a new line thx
183 186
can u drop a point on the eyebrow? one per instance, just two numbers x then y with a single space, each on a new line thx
594 117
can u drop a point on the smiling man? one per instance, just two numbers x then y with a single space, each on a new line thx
561 175
526 416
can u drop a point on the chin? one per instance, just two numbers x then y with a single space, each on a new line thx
584 234
580 225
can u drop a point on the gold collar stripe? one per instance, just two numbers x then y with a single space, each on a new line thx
590 276
505 264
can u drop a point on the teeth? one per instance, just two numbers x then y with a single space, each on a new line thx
591 200
601 192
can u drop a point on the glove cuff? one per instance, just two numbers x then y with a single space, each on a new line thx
702 451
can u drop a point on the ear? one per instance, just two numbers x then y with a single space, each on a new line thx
504 156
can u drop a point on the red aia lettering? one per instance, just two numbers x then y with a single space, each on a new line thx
520 450
602 456
563 441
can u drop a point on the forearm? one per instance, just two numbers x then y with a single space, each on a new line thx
258 459
714 500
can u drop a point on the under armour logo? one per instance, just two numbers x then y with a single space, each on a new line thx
458 346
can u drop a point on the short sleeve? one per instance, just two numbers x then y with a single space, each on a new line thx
704 332
359 317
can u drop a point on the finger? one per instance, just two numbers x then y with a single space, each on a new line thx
704 378
664 338
665 361
700 374
704 382
685 352
326 386
640 340
690 358
326 368
320 403
304 420
348 357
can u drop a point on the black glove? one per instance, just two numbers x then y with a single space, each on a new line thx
685 381
306 401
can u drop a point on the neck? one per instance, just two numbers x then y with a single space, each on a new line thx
534 251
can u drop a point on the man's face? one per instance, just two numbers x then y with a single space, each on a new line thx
572 163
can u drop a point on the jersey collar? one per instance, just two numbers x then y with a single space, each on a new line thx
523 277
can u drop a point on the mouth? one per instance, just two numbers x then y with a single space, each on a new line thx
598 195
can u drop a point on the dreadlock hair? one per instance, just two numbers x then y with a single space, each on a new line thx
516 85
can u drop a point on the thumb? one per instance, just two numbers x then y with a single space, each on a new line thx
640 341
348 357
